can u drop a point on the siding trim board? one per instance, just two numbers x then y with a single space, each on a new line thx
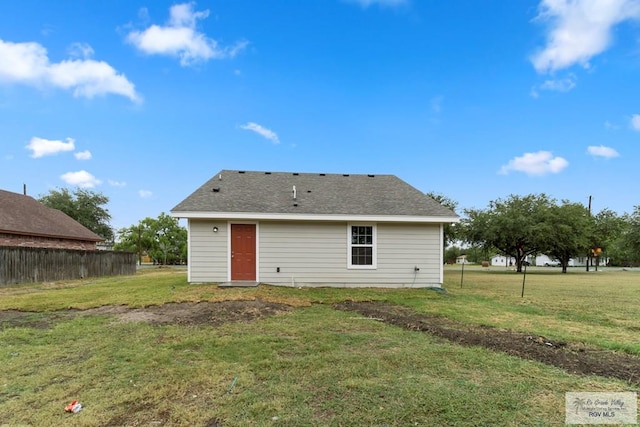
189 251
255 216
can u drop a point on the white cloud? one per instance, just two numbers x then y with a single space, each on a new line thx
117 183
390 3
635 122
41 147
80 50
559 85
28 63
579 30
145 194
612 126
180 38
83 155
602 151
540 163
556 85
534 92
262 131
81 178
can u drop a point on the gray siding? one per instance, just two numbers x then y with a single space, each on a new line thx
315 254
207 251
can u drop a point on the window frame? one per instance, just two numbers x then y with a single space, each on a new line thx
374 245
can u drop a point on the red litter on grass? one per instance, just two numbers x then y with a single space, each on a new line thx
73 407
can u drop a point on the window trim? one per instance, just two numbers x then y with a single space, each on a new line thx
374 246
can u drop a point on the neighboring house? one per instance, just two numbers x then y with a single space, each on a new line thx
543 260
25 222
304 229
462 259
503 261
508 261
593 261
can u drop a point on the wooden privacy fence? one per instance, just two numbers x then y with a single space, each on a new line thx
23 265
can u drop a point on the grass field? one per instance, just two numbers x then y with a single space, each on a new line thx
312 365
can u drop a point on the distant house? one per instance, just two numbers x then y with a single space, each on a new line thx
304 229
503 261
462 259
25 222
543 260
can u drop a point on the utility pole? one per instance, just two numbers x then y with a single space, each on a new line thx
139 244
589 250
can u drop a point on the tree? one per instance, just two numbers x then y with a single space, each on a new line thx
162 238
566 230
451 254
476 254
608 229
85 206
631 237
450 230
511 226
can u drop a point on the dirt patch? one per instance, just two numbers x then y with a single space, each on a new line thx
16 318
194 313
186 313
572 357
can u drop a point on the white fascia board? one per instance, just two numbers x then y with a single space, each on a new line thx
313 217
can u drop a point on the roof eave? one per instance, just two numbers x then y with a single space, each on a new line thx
313 217
51 236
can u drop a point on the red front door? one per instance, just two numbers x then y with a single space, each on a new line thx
243 252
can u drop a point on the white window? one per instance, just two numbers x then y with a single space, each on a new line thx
362 246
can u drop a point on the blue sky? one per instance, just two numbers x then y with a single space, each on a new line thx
144 101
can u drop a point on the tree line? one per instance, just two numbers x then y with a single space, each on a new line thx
523 226
161 238
517 227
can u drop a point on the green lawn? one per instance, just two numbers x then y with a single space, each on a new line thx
312 366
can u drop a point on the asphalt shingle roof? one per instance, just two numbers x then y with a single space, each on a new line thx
24 215
331 194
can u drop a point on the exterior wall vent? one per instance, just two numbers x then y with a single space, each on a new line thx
215 189
240 171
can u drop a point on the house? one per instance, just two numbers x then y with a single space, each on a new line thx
543 260
25 222
503 261
306 229
462 259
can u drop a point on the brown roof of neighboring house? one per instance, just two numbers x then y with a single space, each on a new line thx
24 215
